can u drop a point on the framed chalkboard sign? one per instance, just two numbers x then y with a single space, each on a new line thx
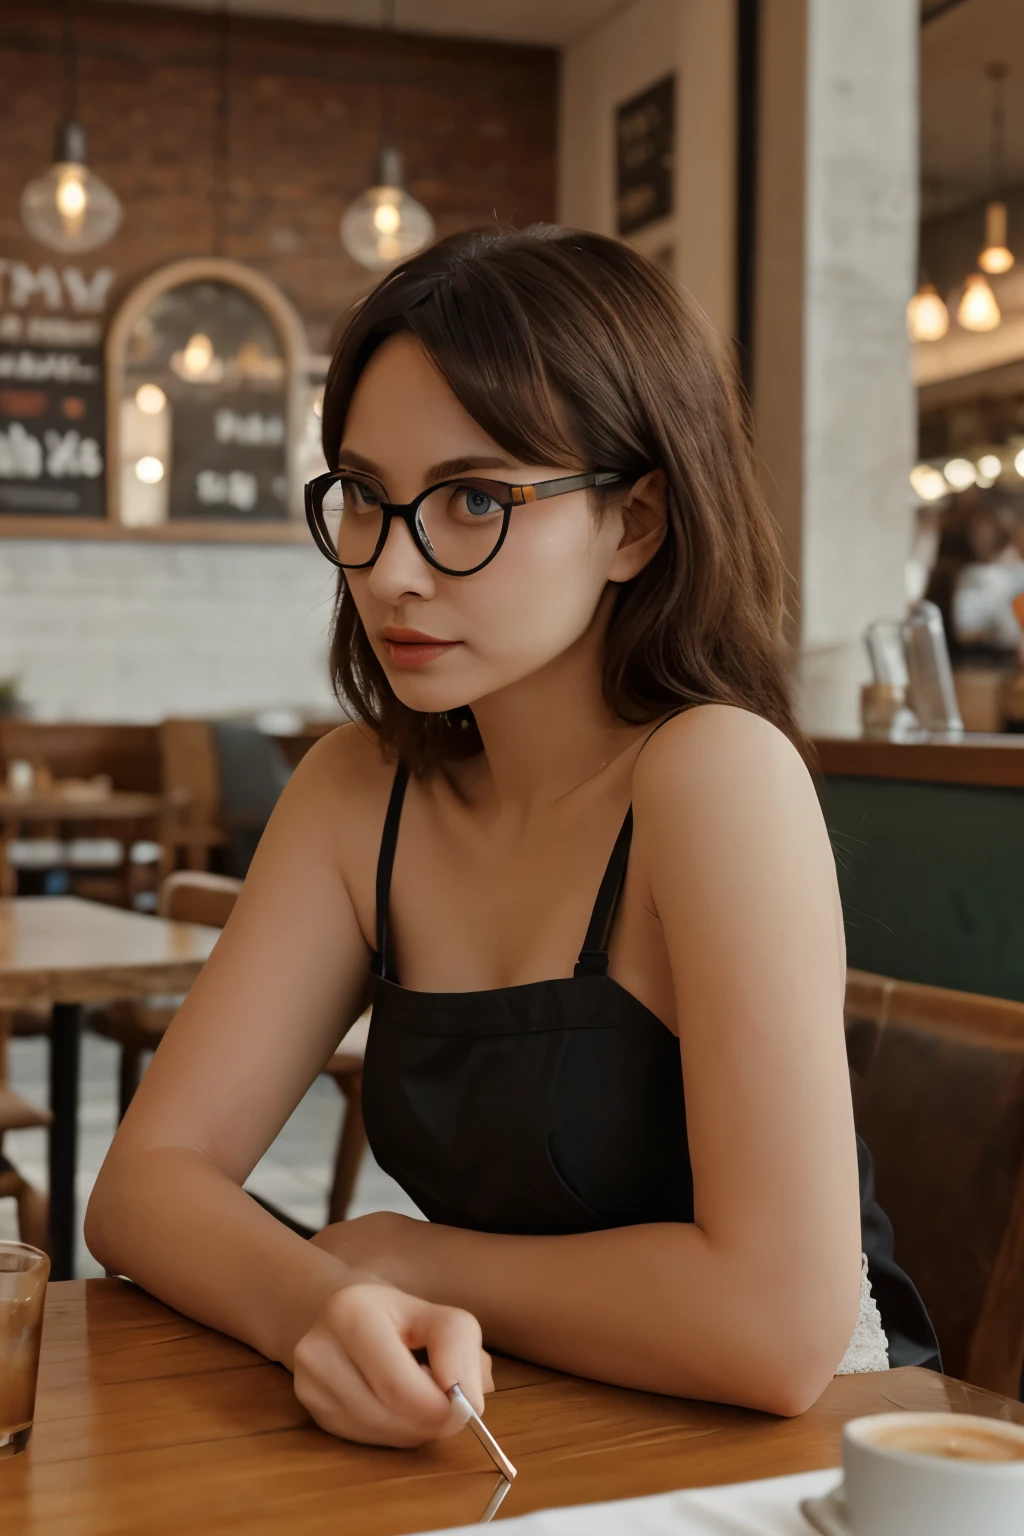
206 385
52 431
195 419
645 129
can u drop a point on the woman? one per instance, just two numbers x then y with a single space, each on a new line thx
560 598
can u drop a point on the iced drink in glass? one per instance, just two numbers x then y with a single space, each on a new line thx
23 1275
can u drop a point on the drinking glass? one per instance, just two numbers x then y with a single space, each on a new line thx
23 1275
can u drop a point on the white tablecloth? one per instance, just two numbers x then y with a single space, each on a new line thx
770 1507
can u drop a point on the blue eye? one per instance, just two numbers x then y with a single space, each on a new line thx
478 503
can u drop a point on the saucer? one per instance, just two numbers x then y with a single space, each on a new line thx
827 1515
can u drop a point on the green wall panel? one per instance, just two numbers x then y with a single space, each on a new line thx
932 881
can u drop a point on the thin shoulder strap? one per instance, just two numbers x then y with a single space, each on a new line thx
383 962
593 960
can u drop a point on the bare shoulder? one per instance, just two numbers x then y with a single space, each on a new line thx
347 765
731 839
718 760
333 806
714 738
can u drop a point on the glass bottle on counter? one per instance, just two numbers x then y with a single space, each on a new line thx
929 673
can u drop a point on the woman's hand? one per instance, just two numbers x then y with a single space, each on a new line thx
355 1372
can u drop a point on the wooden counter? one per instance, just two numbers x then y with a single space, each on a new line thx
994 761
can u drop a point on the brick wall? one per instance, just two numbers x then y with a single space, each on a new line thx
475 121
134 631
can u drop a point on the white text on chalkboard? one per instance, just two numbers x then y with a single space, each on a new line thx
62 455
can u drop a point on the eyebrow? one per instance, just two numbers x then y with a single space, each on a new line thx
447 469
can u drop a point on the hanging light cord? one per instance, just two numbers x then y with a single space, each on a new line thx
997 73
221 133
69 51
389 25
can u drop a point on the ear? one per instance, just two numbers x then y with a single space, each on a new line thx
644 526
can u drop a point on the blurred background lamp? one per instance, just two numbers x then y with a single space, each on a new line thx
197 355
150 399
1018 462
68 207
990 465
927 315
978 310
385 224
149 470
997 256
929 483
960 473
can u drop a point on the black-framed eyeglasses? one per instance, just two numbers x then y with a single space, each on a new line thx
458 526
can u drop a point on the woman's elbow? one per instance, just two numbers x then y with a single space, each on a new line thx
101 1225
792 1389
789 1375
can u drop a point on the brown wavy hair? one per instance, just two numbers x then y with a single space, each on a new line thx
546 326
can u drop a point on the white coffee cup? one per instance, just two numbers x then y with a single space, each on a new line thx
895 1486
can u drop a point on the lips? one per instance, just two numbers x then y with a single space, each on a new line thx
411 648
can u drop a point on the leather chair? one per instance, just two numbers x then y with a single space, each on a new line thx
938 1092
139 1026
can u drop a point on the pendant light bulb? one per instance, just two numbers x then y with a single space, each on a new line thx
927 315
68 207
978 310
997 256
385 225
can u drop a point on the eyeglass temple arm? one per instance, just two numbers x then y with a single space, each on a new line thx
525 493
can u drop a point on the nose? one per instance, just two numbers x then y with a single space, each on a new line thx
400 570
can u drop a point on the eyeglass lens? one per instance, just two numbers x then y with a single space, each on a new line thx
459 523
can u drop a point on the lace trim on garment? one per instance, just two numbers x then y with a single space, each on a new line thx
868 1349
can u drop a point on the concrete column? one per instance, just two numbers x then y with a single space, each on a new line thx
833 399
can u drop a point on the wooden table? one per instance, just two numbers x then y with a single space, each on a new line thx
64 810
58 806
68 952
147 1423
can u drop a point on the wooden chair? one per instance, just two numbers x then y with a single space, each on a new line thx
17 1114
190 782
139 1026
938 1091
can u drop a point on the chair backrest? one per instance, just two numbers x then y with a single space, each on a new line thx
192 896
252 773
938 1092
189 769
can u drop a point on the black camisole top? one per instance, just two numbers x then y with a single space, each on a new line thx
556 1106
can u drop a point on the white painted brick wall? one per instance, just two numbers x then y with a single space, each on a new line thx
135 632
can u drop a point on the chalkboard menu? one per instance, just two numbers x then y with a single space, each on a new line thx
203 410
644 157
52 431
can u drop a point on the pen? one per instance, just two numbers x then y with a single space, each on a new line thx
470 1416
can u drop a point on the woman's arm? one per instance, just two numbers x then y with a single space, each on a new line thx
288 975
755 1303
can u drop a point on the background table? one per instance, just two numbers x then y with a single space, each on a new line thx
68 952
148 1423
63 806
57 811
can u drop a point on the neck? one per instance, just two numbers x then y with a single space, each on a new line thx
549 733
